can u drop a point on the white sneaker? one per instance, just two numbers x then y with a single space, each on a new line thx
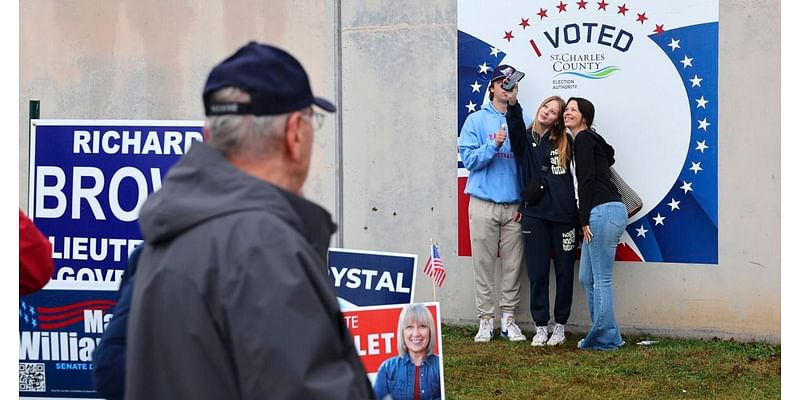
485 330
510 330
541 336
558 336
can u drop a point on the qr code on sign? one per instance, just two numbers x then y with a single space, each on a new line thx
31 377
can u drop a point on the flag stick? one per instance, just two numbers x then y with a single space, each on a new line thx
433 283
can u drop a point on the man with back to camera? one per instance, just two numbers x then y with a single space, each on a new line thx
494 225
232 298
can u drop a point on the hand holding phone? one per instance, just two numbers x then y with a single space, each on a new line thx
512 80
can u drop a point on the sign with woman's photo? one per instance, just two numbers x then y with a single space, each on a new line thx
396 343
651 70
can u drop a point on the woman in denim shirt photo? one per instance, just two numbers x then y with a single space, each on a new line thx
414 373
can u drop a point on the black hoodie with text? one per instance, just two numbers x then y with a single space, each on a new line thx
558 203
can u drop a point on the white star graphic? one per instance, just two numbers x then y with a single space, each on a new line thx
696 81
476 87
674 205
494 51
484 68
640 231
674 44
701 102
659 219
696 167
687 187
471 106
701 146
687 62
703 124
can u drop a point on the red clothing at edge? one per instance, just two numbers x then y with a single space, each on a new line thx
35 257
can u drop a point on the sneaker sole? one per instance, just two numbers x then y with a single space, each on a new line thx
537 344
560 342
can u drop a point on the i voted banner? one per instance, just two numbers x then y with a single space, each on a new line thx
651 70
375 333
88 180
368 278
58 332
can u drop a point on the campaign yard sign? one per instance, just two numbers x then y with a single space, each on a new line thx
375 333
88 180
58 332
368 278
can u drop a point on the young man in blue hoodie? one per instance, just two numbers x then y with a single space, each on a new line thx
494 225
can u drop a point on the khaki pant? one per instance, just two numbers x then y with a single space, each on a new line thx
492 228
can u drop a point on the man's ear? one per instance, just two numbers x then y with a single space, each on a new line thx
292 134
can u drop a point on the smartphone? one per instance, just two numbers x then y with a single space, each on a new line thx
512 80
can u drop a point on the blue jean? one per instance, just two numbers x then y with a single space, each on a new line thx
607 222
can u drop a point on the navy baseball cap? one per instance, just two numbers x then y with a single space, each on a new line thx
502 71
275 81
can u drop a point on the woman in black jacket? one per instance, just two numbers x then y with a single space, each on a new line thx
603 219
543 152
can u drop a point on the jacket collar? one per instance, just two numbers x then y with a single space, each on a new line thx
315 222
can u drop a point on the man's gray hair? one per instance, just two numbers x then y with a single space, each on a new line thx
244 136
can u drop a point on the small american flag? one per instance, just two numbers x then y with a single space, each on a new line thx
434 267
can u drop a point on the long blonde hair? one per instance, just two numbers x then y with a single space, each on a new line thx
558 132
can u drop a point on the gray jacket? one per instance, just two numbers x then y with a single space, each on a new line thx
232 298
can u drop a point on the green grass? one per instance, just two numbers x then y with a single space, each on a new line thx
669 369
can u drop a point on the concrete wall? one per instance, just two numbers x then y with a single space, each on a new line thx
393 65
149 60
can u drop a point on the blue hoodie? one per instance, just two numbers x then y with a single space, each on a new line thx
492 170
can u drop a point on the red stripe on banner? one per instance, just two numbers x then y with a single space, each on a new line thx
464 247
81 305
535 48
626 253
56 325
70 314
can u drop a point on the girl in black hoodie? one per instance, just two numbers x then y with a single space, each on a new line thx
602 218
544 151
